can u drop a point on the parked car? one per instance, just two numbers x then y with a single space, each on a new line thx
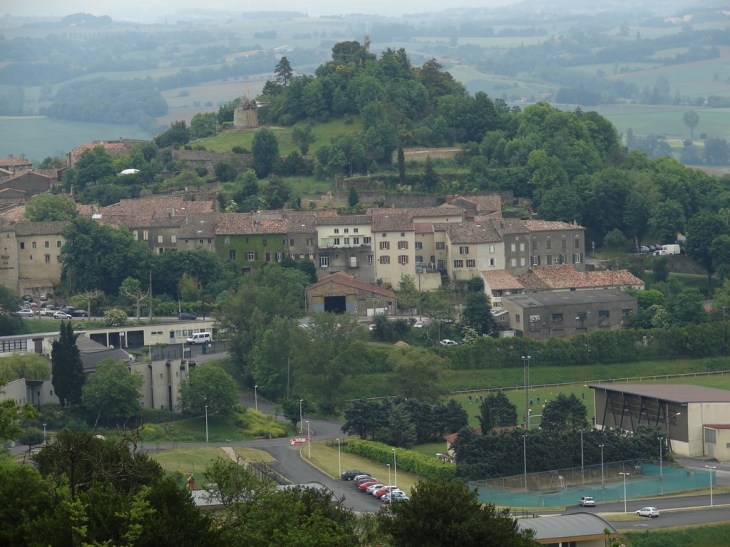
26 313
47 311
61 315
395 495
27 298
365 484
418 325
587 501
383 491
350 474
184 316
79 313
650 512
447 342
199 338
374 487
361 476
48 305
68 309
358 482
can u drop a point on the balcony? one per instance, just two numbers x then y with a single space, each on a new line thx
329 243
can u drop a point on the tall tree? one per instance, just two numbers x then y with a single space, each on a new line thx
131 289
702 230
401 165
283 72
691 119
637 215
265 149
564 412
303 136
210 386
419 374
112 392
66 367
478 312
667 221
50 207
10 321
504 413
486 420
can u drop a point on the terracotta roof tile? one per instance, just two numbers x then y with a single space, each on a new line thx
511 226
472 232
350 281
541 278
423 227
392 222
501 280
199 225
482 204
546 225
14 162
39 228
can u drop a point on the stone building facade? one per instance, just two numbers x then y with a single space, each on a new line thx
245 115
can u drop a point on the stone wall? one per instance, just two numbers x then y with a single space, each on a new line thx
412 200
208 159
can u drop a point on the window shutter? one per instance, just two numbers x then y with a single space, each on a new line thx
538 260
406 244
406 255
380 259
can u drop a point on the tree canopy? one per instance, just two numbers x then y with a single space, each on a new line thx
112 392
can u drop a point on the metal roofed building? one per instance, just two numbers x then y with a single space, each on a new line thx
541 315
576 530
691 415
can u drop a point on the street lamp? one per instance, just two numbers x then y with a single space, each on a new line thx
526 366
44 433
661 465
256 397
300 416
582 474
395 468
524 457
602 481
388 472
309 442
625 475
339 457
206 423
711 467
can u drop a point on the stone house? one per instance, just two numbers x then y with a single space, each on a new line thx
473 247
342 293
394 245
31 183
197 231
15 165
566 278
345 244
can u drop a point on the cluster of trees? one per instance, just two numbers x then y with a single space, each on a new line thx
403 421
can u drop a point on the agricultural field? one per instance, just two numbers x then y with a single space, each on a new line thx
38 136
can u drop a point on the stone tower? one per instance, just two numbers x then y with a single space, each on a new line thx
366 44
245 116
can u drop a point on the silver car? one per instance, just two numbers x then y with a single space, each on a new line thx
650 512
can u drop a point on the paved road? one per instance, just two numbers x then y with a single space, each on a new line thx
680 518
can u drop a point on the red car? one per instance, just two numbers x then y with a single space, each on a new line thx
299 440
364 485
358 482
384 490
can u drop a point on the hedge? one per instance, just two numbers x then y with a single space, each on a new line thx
408 460
598 347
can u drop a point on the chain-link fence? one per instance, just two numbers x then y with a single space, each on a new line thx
604 483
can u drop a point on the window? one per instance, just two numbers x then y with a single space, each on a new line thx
355 230
491 262
324 261
251 255
513 262
201 241
311 256
403 259
263 242
279 256
346 230
385 259
48 258
47 244
267 257
576 258
581 315
522 262
534 244
356 241
402 244
513 247
548 244
517 317
604 314
347 241
283 241
58 258
549 260
441 265
440 245
557 318
22 245
458 263
535 260
403 234
231 254
419 244
565 245
173 239
291 243
310 241
58 244
470 263
367 240
385 235
491 248
419 259
384 245
370 259
160 239
627 312
433 260
577 242
463 250
145 235
33 245
522 247
31 257
336 241
337 230
246 239
710 436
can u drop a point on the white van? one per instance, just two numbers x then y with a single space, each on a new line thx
199 338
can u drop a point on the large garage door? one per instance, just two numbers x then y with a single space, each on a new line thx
335 304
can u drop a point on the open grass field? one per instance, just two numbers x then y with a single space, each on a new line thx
219 429
187 460
696 536
217 91
325 458
494 85
223 142
38 137
252 454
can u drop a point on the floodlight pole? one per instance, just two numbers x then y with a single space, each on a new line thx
309 442
624 474
388 472
395 468
661 465
524 457
526 367
711 467
603 482
206 423
256 397
582 473
339 457
300 416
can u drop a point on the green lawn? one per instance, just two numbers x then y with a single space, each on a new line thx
187 460
219 429
324 132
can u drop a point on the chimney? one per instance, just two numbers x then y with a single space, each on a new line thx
22 156
449 198
10 156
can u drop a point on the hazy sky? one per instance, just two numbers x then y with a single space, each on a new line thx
147 9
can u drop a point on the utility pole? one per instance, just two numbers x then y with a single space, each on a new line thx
526 364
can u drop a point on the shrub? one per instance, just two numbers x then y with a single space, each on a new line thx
408 460
115 317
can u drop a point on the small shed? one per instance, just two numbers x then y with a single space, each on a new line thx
576 530
341 293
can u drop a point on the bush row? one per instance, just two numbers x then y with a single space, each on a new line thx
598 347
408 460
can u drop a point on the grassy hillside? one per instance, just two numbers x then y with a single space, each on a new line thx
225 141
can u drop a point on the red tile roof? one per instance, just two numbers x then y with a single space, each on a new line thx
501 280
350 281
423 227
10 161
541 278
548 225
392 222
482 204
472 232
